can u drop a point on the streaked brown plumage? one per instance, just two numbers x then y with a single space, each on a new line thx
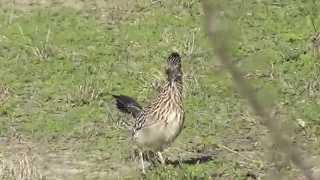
158 124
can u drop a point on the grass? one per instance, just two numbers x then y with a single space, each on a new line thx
59 64
20 168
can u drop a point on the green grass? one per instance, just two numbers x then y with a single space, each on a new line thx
60 66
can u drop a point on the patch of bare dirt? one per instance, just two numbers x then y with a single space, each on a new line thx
23 159
107 11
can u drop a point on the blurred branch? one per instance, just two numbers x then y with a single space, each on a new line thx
219 40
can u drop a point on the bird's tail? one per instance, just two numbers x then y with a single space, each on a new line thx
128 105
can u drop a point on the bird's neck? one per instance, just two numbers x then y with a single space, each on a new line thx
174 90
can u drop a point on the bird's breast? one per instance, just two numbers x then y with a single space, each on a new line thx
173 125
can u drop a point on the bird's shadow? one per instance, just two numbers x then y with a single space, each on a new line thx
198 159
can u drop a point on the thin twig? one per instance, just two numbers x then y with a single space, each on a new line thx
219 42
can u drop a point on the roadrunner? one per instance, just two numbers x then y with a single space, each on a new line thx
156 126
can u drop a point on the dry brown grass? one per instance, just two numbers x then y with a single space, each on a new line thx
86 93
4 93
19 167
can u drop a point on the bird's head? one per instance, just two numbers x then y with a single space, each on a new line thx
174 61
174 67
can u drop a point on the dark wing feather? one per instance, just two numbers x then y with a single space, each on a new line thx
128 105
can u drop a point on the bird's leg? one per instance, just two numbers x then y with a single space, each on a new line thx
161 157
141 159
